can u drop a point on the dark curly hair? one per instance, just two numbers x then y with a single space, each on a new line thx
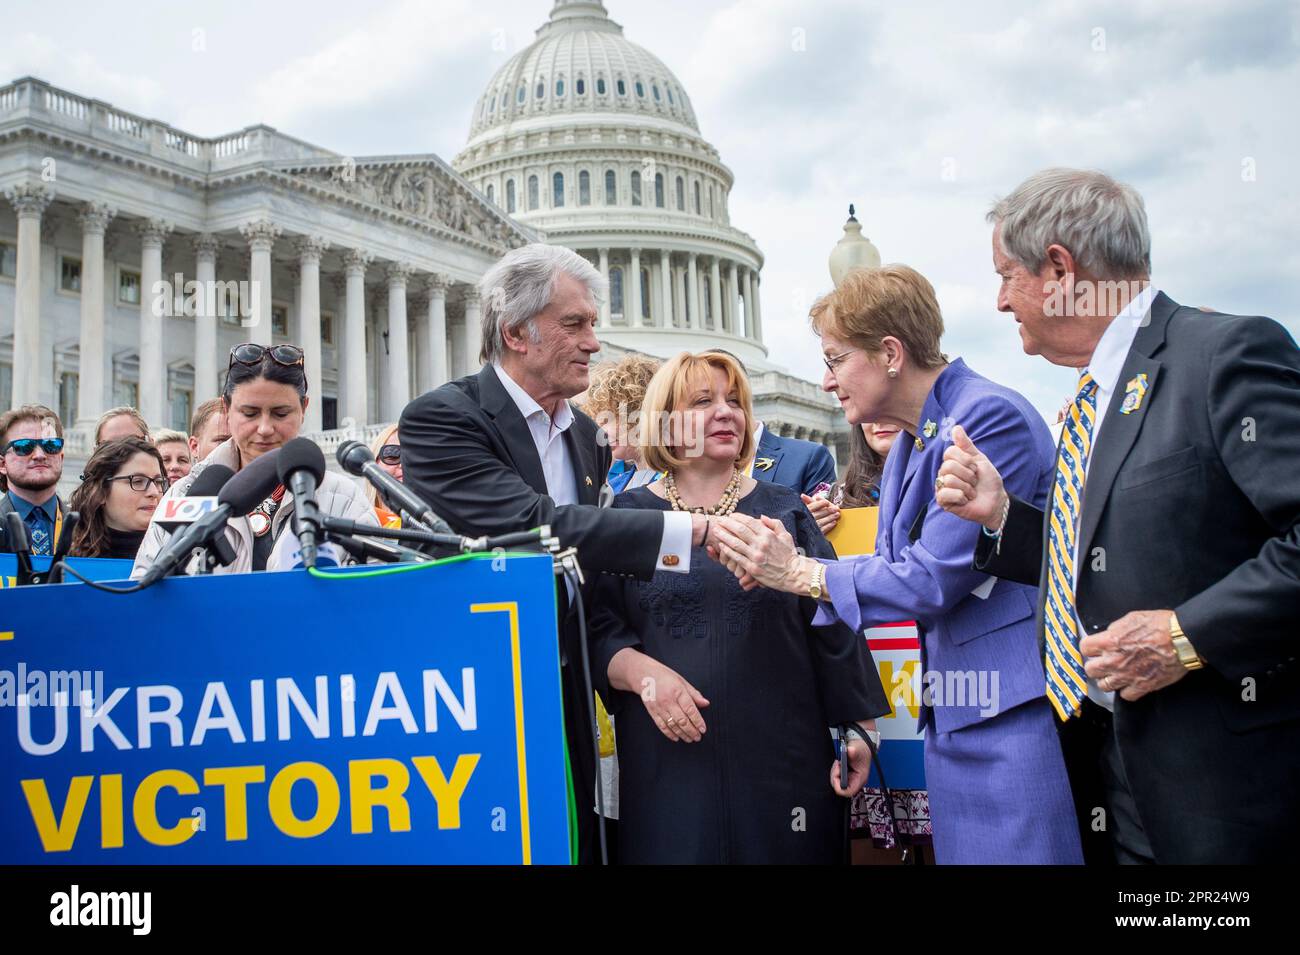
89 500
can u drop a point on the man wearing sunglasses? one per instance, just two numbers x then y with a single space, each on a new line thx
31 437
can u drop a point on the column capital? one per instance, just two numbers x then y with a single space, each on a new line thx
295 271
399 273
310 247
472 296
355 261
692 257
29 199
95 216
153 232
417 300
634 251
206 246
603 251
260 233
437 284
340 284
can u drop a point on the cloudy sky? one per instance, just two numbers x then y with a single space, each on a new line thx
920 113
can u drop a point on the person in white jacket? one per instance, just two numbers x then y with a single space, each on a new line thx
265 399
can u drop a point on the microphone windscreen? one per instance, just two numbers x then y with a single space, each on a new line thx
353 456
210 481
298 455
252 485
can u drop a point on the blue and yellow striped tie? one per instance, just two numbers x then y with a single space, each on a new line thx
1066 682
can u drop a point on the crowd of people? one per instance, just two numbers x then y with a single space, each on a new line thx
727 639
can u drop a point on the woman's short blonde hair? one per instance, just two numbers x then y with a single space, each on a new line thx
666 398
891 301
168 435
385 437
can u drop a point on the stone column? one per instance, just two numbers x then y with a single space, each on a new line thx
758 304
92 395
605 306
636 320
261 236
399 364
352 371
734 323
679 300
715 295
309 253
666 289
29 201
436 327
153 370
473 330
206 369
747 293
693 291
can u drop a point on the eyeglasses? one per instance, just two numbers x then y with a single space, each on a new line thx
141 482
25 446
390 454
251 353
835 360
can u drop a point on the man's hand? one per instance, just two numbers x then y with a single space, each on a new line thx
968 484
859 768
760 551
1134 656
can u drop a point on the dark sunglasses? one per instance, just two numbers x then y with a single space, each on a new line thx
250 353
141 482
390 454
25 446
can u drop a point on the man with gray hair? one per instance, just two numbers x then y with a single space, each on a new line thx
1168 558
503 450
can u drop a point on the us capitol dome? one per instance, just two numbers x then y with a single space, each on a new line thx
591 141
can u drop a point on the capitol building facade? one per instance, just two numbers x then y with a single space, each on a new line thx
118 229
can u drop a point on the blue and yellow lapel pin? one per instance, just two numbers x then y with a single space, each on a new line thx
1134 393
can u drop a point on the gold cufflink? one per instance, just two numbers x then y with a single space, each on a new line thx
671 560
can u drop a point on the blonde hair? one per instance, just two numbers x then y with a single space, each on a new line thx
385 437
665 400
167 435
891 301
127 410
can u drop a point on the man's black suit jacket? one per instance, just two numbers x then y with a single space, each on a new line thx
1192 503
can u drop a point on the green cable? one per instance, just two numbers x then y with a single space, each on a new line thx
343 573
572 803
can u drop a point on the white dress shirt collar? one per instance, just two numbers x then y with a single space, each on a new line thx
1111 352
528 407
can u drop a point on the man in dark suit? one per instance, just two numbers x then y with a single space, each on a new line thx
1168 559
503 450
793 462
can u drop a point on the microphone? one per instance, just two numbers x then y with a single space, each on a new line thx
301 468
21 545
355 458
64 544
239 496
199 501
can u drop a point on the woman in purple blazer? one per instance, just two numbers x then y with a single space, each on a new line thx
997 781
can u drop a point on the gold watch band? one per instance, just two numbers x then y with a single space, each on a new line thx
1187 654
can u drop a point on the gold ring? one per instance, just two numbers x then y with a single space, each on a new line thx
938 483
671 721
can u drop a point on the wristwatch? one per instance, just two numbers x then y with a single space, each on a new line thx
1187 654
852 733
816 587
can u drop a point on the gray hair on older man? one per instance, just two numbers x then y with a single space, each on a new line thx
521 284
1102 222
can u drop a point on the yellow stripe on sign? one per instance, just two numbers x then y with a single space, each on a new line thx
516 669
6 635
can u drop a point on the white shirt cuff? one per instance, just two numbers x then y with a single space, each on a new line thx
676 543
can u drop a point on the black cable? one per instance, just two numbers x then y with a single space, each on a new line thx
97 585
590 689
885 793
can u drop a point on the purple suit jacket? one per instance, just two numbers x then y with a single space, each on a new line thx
921 569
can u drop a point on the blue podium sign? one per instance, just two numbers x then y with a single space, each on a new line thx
95 568
405 715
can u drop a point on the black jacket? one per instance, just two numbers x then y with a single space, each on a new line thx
1192 503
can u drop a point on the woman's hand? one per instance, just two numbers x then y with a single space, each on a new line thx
826 514
761 550
669 698
859 769
968 484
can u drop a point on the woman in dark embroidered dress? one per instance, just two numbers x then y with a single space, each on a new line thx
724 698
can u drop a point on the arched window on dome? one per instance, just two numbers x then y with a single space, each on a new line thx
611 187
671 101
640 90
659 190
557 191
541 87
654 88
584 188
636 188
681 194
519 97
645 293
559 87
600 85
697 198
510 196
706 301
491 193
616 292
622 87
493 107
581 86
532 193
686 298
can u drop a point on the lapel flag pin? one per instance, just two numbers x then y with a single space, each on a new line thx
1134 392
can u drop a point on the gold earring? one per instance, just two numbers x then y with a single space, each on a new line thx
893 373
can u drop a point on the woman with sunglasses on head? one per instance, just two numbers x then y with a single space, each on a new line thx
119 492
265 399
387 449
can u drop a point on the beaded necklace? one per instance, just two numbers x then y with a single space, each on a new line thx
730 497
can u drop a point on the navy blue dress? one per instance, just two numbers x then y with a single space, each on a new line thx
756 789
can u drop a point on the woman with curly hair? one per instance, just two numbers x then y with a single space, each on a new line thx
613 401
120 489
